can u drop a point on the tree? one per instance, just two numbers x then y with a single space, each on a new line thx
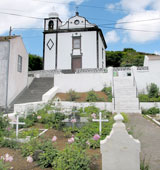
35 62
126 58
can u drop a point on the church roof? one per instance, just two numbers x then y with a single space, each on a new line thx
6 38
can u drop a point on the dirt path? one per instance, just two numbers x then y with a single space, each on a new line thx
149 135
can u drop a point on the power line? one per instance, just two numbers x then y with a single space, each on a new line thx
86 6
153 19
130 29
19 15
89 6
25 28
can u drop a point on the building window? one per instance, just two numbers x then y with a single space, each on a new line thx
19 65
50 25
76 42
102 58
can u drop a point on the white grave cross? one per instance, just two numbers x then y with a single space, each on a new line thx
17 123
100 120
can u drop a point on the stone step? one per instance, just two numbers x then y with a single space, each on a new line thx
34 92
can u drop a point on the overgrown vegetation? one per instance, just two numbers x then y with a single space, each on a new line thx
152 94
144 165
108 92
35 62
151 111
44 151
93 97
72 157
126 58
72 95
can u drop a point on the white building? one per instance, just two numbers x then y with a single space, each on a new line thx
13 68
76 44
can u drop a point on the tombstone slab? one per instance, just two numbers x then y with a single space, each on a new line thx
119 150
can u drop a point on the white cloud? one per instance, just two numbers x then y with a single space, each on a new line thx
151 26
139 10
31 8
157 52
135 5
112 37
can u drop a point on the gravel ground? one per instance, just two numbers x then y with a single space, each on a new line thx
148 134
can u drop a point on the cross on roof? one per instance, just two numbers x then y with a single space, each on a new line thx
17 123
77 8
100 120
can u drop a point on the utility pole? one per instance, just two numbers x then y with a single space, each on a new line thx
10 31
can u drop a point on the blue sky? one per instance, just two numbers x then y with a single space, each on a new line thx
125 24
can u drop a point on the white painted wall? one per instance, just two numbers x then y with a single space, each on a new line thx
4 53
49 60
82 82
69 105
147 105
88 46
101 46
144 78
17 80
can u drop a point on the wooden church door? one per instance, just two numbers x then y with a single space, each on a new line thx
76 63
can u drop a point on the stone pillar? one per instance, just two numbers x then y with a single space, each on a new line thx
120 151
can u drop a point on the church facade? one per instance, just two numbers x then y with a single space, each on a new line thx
74 45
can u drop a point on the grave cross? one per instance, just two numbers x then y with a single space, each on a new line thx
17 123
100 120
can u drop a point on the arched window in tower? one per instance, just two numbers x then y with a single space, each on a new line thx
50 25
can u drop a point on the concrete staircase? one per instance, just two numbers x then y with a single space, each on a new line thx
125 97
34 92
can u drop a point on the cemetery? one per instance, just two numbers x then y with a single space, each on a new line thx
61 144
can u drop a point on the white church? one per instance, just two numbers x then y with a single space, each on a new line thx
74 45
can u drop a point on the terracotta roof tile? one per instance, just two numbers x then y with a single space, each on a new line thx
6 38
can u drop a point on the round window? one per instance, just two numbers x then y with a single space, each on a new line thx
76 22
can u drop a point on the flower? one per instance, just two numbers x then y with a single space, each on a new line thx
73 120
10 159
93 115
96 137
39 117
29 159
88 143
54 138
7 158
8 128
71 140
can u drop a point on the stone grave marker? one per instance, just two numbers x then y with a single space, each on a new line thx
120 151
100 120
17 123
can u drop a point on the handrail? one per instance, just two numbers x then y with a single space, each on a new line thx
113 95
135 84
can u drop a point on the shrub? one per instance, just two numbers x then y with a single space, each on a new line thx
92 97
72 95
72 157
146 98
108 92
49 154
29 148
151 111
9 144
153 90
53 120
3 166
4 123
